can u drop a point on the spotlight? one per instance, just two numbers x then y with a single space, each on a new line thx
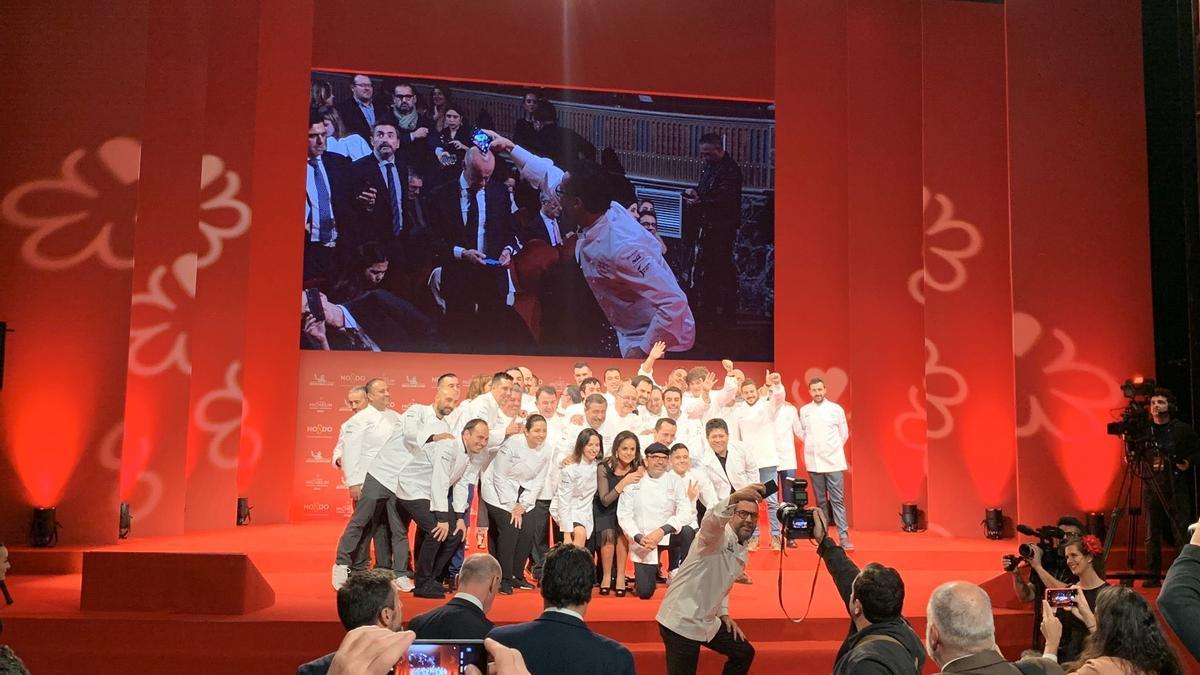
993 523
43 532
126 522
910 517
1095 524
243 511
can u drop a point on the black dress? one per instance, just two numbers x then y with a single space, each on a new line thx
604 506
1073 630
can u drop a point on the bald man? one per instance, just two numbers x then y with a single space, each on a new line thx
960 634
476 241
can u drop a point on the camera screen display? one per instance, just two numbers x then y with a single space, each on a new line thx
801 523
449 657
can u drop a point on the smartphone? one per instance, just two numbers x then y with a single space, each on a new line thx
481 141
442 656
1061 598
772 487
314 304
491 262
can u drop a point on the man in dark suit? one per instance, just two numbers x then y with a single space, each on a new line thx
542 224
960 635
361 112
368 598
327 200
477 240
559 642
565 146
464 617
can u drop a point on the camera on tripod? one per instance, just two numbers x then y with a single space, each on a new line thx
795 516
1134 424
1046 535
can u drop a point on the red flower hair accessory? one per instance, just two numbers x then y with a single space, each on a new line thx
1092 545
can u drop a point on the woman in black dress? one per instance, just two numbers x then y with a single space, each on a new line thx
1079 621
622 469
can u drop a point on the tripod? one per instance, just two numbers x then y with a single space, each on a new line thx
1138 466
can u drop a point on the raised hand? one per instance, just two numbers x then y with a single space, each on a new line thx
657 351
727 365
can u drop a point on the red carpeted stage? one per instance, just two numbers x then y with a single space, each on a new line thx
49 630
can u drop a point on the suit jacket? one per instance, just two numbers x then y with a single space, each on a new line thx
559 644
532 226
419 154
458 619
445 208
316 667
375 223
993 663
356 122
337 171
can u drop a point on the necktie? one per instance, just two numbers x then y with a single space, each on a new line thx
555 233
473 216
324 210
394 198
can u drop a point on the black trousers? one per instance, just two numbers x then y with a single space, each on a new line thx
1160 525
381 537
645 579
681 543
376 507
512 543
544 534
683 653
432 555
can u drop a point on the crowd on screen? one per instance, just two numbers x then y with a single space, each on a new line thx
419 231
623 484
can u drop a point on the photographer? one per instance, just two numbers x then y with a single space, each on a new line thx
881 641
1048 571
1166 491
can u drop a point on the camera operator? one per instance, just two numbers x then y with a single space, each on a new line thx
1047 572
1176 451
881 641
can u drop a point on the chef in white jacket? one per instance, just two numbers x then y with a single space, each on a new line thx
824 431
787 430
539 518
754 420
655 514
577 488
622 262
729 467
510 487
431 491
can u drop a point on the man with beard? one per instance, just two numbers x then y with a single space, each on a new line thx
380 181
711 221
418 133
695 611
1167 489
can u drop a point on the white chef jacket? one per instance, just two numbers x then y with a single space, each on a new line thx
699 590
652 503
486 408
392 457
368 430
738 472
787 430
517 468
558 452
339 448
755 425
449 460
824 432
420 423
625 269
576 490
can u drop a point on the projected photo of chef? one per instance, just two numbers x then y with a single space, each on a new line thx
481 218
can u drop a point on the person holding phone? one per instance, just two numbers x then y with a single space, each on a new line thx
1125 636
695 611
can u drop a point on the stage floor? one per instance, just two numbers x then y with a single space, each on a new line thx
302 624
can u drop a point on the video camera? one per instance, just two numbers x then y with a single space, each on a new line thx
795 516
1134 424
1046 535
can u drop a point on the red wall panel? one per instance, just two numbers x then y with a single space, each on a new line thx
886 326
1080 251
967 290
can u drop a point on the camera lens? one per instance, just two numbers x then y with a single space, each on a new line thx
1026 550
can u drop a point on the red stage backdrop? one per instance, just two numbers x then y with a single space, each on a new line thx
980 304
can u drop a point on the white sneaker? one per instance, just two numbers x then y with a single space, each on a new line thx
405 584
340 574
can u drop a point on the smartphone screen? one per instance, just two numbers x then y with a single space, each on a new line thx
772 487
1061 597
442 656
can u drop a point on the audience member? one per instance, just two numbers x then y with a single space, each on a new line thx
562 145
463 617
338 140
440 98
1083 555
559 642
418 133
960 634
382 178
361 113
1179 600
455 137
327 205
367 598
881 640
370 649
1124 638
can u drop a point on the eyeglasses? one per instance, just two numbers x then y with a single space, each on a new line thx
404 95
745 515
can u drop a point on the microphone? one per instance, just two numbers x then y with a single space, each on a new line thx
1027 530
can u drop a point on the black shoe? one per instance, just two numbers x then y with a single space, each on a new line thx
604 590
521 584
506 588
620 592
659 578
430 590
1152 583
